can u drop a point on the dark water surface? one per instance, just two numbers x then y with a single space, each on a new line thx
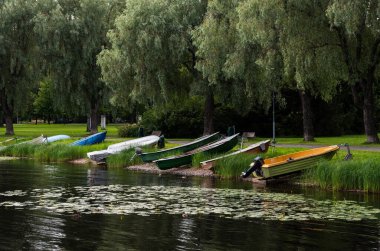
64 207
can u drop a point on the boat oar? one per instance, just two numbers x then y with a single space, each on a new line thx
138 151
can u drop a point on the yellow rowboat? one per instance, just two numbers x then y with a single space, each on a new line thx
289 163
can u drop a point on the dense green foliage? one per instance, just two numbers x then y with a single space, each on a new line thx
70 54
128 130
19 72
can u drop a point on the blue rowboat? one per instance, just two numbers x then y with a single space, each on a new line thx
56 138
90 140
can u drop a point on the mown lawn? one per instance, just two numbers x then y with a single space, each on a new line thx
350 139
73 130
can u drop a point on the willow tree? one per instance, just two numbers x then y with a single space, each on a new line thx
72 34
325 43
18 55
230 62
152 56
357 28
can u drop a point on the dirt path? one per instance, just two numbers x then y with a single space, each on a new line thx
368 148
358 148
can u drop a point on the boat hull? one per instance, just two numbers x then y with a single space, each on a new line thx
116 148
149 157
296 165
260 147
90 140
56 138
186 159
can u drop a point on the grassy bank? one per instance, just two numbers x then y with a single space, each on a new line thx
362 173
123 159
50 152
62 151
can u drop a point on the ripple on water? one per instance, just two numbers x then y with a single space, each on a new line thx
156 200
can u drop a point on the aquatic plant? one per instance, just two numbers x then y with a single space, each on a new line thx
238 204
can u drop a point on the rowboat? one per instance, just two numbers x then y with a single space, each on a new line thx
90 140
149 157
219 146
116 148
259 147
8 142
56 138
289 163
39 140
143 141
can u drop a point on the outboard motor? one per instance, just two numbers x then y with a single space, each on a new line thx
161 142
255 166
138 150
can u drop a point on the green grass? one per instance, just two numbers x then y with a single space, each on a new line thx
73 130
360 173
199 157
233 166
123 159
350 139
50 152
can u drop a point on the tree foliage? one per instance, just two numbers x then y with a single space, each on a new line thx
18 56
72 34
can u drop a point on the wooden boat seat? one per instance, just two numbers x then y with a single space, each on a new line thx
156 133
249 135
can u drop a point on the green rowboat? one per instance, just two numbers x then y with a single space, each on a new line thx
220 146
149 157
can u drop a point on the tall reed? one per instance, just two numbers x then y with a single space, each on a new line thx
233 166
361 174
49 152
199 157
123 159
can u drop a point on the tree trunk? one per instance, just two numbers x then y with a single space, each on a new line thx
8 115
307 115
94 118
369 112
208 119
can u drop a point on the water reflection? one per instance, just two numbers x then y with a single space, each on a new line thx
186 238
45 233
97 176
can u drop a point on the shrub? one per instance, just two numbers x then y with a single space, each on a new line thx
128 130
183 119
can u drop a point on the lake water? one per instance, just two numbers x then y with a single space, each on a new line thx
65 207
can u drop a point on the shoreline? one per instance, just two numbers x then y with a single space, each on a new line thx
179 171
195 172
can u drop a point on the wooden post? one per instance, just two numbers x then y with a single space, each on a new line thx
103 122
